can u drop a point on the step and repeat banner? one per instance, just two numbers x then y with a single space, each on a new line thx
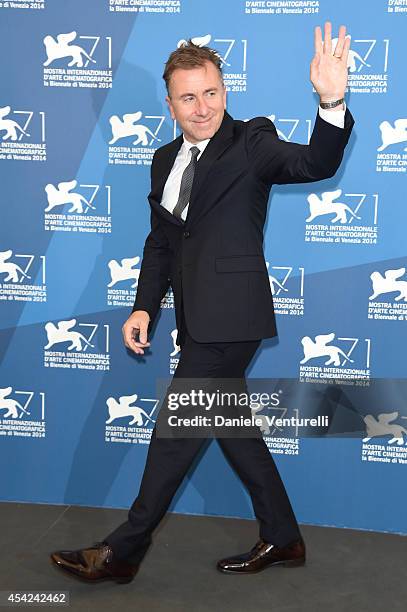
82 111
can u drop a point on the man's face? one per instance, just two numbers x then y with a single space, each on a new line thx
197 100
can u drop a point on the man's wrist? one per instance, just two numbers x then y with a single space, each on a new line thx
340 107
332 102
140 309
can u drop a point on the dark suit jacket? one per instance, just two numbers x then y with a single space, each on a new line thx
214 261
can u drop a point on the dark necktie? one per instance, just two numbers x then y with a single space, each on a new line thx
186 184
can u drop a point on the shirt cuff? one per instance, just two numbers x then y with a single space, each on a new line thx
334 117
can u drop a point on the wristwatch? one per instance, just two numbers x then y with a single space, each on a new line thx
331 104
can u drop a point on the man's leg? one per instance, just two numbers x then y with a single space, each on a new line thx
169 459
255 466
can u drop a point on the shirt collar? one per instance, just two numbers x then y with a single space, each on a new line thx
201 144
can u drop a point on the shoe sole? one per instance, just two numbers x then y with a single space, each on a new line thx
68 572
289 563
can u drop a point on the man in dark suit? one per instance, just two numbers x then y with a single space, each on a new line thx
209 194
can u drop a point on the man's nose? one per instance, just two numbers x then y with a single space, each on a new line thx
201 106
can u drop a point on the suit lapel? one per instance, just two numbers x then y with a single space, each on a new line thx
164 165
221 140
214 149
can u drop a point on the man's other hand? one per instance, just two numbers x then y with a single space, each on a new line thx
137 323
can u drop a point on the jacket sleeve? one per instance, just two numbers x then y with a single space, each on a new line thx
277 161
154 279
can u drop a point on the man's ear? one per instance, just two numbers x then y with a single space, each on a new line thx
168 100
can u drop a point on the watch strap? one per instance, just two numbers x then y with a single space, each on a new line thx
331 104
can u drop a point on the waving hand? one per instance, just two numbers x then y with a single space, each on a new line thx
329 73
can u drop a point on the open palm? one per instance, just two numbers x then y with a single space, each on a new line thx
329 72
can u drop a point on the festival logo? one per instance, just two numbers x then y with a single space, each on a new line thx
276 8
175 351
388 300
349 218
287 287
150 7
386 439
290 129
22 135
368 65
233 55
293 129
392 135
73 59
135 418
397 7
124 273
168 299
22 413
277 424
23 4
85 346
138 135
327 356
17 277
69 205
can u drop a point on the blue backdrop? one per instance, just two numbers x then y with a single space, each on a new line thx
81 112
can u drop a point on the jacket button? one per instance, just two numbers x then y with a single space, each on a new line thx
186 234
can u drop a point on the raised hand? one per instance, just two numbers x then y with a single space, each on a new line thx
329 73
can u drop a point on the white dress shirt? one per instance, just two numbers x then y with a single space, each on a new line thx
173 183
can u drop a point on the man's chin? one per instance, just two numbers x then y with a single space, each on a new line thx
204 132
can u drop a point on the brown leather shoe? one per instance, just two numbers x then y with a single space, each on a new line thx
95 564
264 555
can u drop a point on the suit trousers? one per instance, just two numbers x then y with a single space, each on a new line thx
169 459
